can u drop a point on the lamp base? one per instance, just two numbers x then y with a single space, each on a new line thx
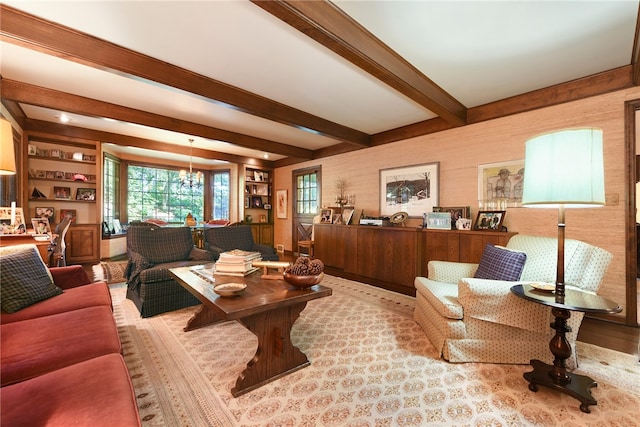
576 386
556 375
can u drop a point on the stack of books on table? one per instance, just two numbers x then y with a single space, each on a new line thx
237 262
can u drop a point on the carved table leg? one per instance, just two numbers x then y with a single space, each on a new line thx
203 317
556 376
275 356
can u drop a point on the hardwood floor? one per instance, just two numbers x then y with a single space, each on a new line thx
610 335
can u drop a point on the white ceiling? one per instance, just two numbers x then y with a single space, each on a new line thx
477 51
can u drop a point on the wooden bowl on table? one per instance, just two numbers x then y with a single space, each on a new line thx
302 281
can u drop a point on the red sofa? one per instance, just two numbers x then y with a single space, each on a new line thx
60 358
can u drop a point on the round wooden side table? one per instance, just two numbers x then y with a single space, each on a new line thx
556 376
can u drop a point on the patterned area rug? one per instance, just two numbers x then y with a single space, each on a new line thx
371 365
112 271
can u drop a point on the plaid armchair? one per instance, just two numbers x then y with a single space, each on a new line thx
152 251
222 239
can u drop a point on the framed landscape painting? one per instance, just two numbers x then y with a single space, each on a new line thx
411 189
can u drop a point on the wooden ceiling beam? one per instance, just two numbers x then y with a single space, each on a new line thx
44 36
328 25
46 129
49 98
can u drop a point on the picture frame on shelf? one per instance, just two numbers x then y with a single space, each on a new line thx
456 212
41 225
262 190
500 185
5 219
347 214
32 150
68 212
326 216
41 174
281 204
489 220
247 202
117 227
439 220
45 212
412 189
256 202
86 194
258 175
61 193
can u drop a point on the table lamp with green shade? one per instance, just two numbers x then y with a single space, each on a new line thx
564 169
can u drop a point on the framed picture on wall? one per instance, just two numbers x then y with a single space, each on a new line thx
281 204
411 189
500 185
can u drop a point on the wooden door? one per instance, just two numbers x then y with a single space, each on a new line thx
305 201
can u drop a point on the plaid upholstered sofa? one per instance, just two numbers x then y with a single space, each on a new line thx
152 251
469 317
222 239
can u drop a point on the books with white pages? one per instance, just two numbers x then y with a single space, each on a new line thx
237 261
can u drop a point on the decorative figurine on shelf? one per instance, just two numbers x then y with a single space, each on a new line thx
190 221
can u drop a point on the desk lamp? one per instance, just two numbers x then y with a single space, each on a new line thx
564 169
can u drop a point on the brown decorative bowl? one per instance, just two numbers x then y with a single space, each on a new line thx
302 281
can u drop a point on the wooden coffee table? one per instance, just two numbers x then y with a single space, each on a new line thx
268 308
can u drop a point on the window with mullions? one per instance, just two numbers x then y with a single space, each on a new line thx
111 197
220 180
307 194
158 193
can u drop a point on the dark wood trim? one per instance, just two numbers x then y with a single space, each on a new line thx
426 127
635 56
35 95
597 84
328 25
54 39
72 133
631 108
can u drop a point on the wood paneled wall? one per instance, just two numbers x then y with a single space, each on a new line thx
461 150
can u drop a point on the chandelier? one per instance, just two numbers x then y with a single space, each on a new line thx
190 179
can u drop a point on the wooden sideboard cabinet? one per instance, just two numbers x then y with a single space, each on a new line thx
383 256
392 257
458 245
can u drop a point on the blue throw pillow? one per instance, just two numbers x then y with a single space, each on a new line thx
500 264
